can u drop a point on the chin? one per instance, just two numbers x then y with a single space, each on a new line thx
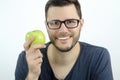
65 49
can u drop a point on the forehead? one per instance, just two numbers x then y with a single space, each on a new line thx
62 13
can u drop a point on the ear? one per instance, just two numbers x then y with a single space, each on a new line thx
46 25
81 22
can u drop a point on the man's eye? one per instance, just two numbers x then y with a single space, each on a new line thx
55 23
70 21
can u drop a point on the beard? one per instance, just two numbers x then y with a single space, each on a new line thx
75 40
64 50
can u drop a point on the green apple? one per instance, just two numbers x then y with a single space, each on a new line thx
38 35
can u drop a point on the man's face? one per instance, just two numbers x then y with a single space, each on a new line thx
63 38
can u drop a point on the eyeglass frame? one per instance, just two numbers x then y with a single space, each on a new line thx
47 22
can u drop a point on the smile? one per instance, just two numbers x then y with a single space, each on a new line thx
64 38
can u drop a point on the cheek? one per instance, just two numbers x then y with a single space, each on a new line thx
51 34
77 33
77 30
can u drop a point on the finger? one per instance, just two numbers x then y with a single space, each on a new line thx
38 54
38 61
34 55
27 43
37 46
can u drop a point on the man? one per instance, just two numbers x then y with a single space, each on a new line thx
64 57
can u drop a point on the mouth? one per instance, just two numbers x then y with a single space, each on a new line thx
63 39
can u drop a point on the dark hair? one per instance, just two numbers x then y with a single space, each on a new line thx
63 3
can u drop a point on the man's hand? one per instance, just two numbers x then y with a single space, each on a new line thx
34 59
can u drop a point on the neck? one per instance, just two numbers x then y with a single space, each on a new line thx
63 58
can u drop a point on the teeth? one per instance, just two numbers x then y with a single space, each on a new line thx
63 38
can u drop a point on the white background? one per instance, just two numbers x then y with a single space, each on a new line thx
101 27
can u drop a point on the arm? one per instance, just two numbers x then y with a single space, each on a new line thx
21 71
21 67
29 63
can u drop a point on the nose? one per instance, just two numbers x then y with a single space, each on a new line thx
63 28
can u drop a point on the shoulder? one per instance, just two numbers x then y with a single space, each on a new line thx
94 53
93 48
21 67
98 59
22 56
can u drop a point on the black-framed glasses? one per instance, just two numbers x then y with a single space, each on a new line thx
69 23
